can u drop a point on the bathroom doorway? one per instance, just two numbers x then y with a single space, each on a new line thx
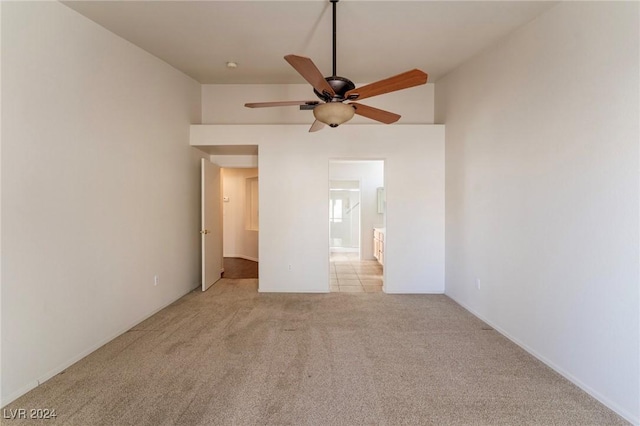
356 208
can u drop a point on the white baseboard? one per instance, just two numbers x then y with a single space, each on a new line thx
630 417
60 368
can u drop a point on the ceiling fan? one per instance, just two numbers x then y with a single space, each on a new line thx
334 91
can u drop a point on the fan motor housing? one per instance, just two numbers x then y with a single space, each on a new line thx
340 86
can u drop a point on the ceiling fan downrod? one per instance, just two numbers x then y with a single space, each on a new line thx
340 85
334 36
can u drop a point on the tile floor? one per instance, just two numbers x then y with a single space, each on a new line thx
348 274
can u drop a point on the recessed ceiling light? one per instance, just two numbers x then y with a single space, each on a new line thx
232 65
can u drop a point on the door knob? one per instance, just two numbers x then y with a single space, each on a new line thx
206 231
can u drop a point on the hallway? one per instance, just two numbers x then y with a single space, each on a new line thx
236 268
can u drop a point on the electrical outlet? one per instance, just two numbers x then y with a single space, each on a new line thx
478 283
155 280
289 266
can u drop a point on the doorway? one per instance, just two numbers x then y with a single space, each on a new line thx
356 209
240 222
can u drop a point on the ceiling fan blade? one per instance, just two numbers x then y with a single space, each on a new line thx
277 104
307 69
398 82
375 113
317 125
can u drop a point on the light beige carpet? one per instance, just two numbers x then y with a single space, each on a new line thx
233 356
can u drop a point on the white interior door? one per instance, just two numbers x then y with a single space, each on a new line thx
211 226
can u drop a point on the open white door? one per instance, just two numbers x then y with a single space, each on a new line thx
211 226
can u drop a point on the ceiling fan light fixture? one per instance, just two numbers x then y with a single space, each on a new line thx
333 113
333 91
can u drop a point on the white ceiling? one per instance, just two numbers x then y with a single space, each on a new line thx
376 39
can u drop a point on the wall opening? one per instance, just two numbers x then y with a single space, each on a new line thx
240 222
356 225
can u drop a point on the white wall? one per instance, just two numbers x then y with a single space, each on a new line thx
235 161
238 241
542 193
100 189
224 104
294 183
371 176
